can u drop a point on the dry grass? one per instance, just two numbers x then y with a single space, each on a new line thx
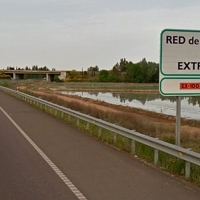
149 123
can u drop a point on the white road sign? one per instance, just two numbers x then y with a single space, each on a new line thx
180 62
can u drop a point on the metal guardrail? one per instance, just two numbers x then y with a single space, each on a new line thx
158 145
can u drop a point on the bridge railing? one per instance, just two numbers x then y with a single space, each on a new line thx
185 154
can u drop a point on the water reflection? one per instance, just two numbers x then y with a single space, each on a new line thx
190 106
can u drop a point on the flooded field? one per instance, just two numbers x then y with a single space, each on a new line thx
190 108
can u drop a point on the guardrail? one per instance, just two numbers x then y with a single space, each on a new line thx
177 151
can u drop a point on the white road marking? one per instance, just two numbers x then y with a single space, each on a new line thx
69 184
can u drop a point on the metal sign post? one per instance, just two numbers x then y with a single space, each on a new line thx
178 119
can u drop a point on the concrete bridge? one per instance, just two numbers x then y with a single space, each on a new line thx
19 74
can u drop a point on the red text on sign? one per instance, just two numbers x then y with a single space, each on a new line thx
189 86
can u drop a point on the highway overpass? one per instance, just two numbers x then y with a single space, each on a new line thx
19 74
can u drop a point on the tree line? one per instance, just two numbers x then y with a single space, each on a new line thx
34 67
123 71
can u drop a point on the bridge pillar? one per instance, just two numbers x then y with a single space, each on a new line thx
14 76
18 76
49 77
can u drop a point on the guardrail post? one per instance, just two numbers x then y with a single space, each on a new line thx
55 112
99 131
114 138
62 115
87 125
187 169
77 121
132 147
155 156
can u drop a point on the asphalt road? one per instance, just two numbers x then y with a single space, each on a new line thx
42 158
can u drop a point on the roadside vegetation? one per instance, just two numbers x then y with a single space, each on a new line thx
4 76
141 77
149 123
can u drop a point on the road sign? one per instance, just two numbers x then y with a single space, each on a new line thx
179 62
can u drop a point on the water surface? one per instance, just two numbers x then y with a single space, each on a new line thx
153 102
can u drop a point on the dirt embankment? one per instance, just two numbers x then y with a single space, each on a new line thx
188 127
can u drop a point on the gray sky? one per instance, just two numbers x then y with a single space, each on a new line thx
76 34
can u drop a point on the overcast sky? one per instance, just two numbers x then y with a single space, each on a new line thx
77 34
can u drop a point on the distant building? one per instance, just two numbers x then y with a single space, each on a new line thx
62 76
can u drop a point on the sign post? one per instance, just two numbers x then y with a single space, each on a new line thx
179 67
178 120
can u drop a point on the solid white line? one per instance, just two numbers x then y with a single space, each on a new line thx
67 182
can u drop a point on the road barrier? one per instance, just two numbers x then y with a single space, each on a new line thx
185 154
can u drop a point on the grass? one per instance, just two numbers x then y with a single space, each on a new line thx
125 119
5 83
84 86
165 133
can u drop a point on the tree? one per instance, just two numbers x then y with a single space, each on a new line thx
74 76
56 79
103 76
10 68
4 76
130 72
93 70
34 67
118 70
142 72
153 72
115 74
123 65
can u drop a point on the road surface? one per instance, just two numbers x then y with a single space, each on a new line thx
43 158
